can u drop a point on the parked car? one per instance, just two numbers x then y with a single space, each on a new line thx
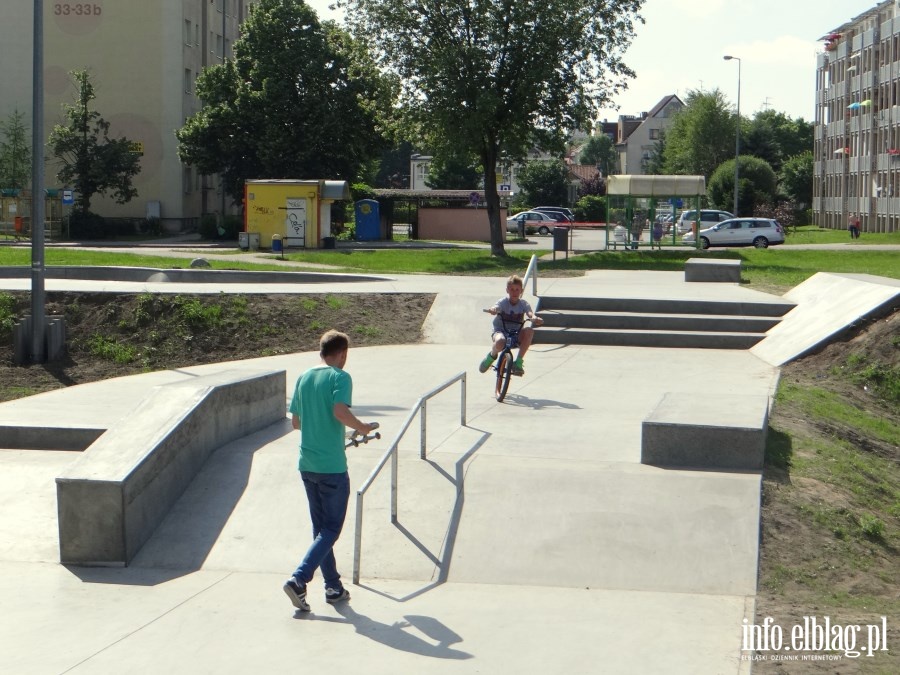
758 232
569 216
541 222
708 218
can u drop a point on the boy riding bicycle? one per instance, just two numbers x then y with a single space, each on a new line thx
510 314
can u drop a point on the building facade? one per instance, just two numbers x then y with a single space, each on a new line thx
857 140
638 134
143 59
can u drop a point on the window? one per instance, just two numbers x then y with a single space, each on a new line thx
219 47
188 81
654 134
187 32
187 183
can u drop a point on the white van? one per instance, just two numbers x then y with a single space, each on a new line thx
708 218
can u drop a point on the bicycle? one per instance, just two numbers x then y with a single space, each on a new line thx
353 440
505 361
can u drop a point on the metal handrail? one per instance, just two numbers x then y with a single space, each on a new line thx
532 273
392 454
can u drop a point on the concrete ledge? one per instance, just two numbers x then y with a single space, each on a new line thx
715 269
112 499
721 432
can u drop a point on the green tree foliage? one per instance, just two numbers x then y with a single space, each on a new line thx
775 137
15 152
757 184
393 166
701 135
453 171
300 99
483 77
92 162
590 209
545 183
796 178
601 152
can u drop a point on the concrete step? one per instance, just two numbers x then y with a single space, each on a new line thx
647 338
664 306
658 322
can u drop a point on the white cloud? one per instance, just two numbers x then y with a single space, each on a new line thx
696 7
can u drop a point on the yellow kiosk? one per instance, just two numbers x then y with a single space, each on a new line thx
299 211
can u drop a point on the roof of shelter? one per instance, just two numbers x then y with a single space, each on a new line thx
656 186
463 195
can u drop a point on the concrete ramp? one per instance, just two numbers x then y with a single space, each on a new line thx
826 305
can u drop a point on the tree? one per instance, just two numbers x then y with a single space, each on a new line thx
496 78
601 152
92 162
701 135
796 178
15 153
300 99
593 186
453 171
545 183
757 184
775 137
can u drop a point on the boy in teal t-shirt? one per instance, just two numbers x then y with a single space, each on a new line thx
320 409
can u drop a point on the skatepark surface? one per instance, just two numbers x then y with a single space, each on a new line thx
529 540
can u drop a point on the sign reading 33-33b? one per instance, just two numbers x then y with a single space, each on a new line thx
295 225
77 18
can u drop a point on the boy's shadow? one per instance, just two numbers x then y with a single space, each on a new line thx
396 636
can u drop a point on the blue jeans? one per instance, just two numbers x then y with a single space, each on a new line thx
328 495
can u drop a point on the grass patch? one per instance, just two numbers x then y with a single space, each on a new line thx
7 313
110 349
335 302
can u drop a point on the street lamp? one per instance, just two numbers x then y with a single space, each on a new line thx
737 134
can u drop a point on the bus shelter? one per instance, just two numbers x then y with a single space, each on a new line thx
642 210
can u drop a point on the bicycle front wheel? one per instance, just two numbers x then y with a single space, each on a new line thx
504 374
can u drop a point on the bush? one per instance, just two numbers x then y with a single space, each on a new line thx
590 209
210 228
86 225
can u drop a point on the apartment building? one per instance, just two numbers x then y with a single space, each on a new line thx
143 58
857 140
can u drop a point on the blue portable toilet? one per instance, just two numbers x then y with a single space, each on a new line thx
368 220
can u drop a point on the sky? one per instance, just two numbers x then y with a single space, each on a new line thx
681 45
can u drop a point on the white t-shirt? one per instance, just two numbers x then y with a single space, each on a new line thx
514 315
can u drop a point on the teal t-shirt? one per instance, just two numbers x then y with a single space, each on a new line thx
321 434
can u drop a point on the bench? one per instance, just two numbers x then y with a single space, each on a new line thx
714 269
112 499
720 432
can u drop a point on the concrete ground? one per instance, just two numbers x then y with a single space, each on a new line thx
530 540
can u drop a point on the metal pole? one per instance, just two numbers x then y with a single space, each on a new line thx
221 177
423 428
737 135
38 323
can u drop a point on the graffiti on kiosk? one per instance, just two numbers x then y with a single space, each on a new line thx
263 210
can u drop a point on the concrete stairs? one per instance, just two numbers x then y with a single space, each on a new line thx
646 322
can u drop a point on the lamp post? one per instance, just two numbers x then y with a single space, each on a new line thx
737 134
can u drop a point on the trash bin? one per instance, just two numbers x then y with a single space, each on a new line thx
327 242
277 244
560 240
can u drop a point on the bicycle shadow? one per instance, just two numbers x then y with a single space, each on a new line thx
537 403
396 635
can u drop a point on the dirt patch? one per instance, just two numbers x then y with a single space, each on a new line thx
830 533
111 335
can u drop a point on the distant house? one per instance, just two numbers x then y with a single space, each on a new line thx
637 134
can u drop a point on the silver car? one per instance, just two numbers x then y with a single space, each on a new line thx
758 232
542 222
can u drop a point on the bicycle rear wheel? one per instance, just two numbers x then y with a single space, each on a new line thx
504 374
